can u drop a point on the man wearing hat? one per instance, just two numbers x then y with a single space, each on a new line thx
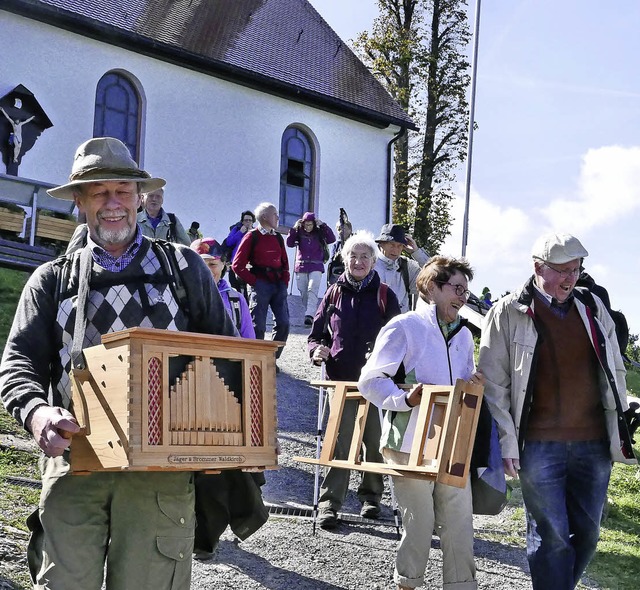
139 524
555 383
396 270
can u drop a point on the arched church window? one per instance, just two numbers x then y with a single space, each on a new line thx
117 112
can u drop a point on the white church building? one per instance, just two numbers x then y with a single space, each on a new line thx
233 102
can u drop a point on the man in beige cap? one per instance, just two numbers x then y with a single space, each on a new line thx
139 524
555 383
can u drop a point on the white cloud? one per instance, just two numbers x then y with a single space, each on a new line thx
498 245
608 190
605 200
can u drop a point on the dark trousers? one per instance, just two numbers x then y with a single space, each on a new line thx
274 295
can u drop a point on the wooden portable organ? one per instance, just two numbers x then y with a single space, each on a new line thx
160 400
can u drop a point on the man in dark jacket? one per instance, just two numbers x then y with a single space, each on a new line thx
345 326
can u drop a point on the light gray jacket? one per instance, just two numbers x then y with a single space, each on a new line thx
162 229
391 274
507 353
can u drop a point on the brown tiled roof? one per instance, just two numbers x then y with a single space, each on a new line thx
279 46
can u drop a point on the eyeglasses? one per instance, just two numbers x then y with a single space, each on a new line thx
565 274
361 258
460 290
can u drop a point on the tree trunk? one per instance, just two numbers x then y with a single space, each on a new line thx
424 200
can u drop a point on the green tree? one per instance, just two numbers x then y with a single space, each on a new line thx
416 49
633 349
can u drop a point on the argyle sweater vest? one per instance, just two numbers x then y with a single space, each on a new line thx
138 296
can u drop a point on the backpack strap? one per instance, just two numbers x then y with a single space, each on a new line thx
166 254
77 356
331 296
403 265
63 277
383 289
255 234
171 234
626 443
234 301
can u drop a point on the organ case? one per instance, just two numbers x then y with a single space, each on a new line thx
161 400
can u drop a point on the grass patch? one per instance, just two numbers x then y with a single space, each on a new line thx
18 463
16 503
633 382
9 426
616 565
11 284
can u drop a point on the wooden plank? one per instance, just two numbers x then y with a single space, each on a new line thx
54 228
336 408
456 466
12 221
358 432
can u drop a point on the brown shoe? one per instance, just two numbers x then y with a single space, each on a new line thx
370 510
327 518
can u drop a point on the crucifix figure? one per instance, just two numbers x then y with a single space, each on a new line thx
15 138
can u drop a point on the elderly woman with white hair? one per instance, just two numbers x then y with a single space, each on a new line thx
345 326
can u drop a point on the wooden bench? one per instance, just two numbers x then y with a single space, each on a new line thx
54 228
22 256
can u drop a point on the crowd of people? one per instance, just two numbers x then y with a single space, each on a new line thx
549 361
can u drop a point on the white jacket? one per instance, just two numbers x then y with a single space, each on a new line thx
413 339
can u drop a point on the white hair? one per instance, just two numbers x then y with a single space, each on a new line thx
262 208
360 238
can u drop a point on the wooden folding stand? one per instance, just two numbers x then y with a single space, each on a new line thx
443 440
160 400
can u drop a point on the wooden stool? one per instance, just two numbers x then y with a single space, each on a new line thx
443 441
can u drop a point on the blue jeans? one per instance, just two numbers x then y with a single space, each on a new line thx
264 295
564 487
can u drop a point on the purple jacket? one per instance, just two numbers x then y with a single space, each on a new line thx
246 325
354 324
234 238
309 257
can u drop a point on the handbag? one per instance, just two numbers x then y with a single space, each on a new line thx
489 488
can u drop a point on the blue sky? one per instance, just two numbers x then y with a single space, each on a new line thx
557 145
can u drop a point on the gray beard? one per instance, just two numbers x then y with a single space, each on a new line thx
109 236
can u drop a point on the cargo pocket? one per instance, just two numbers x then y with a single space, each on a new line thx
174 540
176 548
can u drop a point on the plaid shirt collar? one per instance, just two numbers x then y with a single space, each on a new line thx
108 262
